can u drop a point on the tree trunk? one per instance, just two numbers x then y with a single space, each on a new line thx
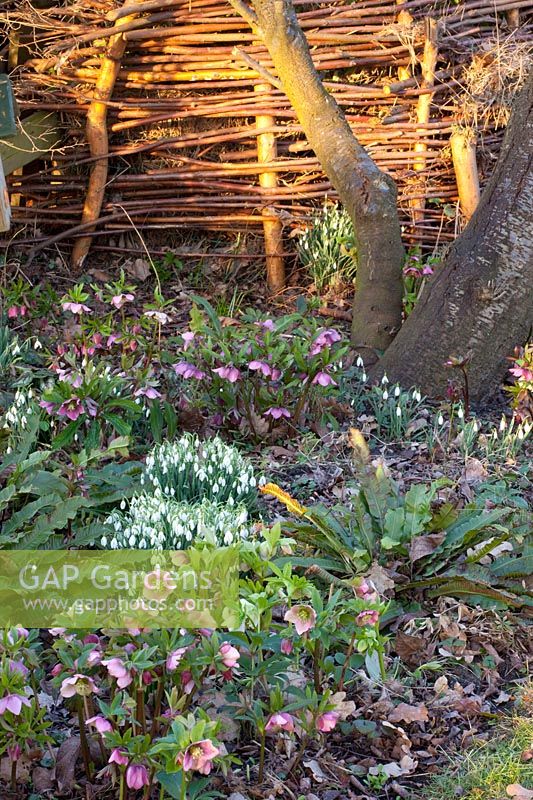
479 305
368 194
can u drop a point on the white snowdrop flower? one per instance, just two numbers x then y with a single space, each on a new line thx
9 450
397 392
398 411
475 426
23 421
460 413
122 504
520 433
359 362
503 424
37 345
384 379
363 377
385 395
440 419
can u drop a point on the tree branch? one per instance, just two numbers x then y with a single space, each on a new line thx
255 65
247 14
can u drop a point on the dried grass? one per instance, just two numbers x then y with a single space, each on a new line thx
492 79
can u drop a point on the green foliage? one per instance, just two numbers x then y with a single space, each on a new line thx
446 550
327 248
260 376
44 505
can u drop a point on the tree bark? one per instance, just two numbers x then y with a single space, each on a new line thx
479 304
368 194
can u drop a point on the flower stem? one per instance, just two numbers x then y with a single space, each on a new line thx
83 740
262 758
13 774
316 666
346 661
141 719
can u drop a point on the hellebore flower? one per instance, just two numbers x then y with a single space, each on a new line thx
101 724
267 324
48 406
324 379
188 337
117 669
16 633
137 776
118 300
230 655
327 721
147 391
76 308
303 618
229 373
324 339
286 647
78 684
276 412
199 756
18 666
118 756
427 270
368 617
187 681
174 658
71 409
261 366
187 371
160 316
14 751
13 703
280 722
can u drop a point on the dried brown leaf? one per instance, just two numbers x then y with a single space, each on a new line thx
425 545
407 713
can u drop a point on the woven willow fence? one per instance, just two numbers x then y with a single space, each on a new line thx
198 137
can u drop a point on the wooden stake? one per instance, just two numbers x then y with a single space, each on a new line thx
463 145
97 138
404 18
423 106
5 207
267 152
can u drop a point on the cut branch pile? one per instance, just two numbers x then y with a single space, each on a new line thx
170 113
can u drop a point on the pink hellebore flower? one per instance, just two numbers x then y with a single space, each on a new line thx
13 703
324 379
94 658
56 670
147 391
427 270
187 337
368 617
118 670
12 312
324 339
280 722
118 300
187 681
261 366
303 618
174 658
118 756
286 647
14 752
101 724
16 633
18 666
78 684
199 756
230 655
187 371
48 406
276 412
522 372
229 373
71 409
327 721
267 324
76 308
137 776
